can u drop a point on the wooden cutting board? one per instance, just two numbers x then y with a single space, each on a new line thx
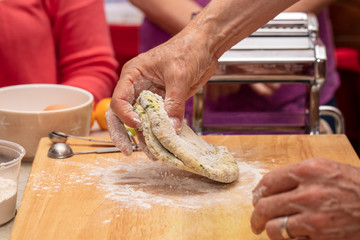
110 196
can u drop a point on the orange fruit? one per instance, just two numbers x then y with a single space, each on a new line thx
55 107
100 111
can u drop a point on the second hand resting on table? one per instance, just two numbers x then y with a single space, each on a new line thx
320 197
315 199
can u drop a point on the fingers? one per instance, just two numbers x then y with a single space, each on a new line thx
278 229
124 111
131 83
287 178
122 101
215 91
175 108
272 207
118 133
281 229
177 92
307 190
265 89
298 202
176 96
120 138
274 182
143 145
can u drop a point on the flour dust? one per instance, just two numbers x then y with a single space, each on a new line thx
143 183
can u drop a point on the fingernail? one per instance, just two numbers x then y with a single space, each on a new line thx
138 123
257 232
137 120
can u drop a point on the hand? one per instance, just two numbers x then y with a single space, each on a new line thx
321 198
265 89
215 91
178 68
175 70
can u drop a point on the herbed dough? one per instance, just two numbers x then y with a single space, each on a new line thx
186 151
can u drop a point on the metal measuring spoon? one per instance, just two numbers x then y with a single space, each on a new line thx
63 150
60 137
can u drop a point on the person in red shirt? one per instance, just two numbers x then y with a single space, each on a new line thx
57 41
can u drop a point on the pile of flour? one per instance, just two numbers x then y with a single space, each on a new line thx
143 183
8 193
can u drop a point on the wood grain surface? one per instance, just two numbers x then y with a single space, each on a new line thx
110 196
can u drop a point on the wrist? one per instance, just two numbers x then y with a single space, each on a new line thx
206 31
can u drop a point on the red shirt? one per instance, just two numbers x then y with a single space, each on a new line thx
56 41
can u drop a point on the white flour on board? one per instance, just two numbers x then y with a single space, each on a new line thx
143 183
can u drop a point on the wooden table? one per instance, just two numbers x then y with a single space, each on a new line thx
111 196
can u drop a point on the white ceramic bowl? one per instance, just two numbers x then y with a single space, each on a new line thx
24 121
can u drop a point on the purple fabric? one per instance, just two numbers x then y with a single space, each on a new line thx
151 35
289 98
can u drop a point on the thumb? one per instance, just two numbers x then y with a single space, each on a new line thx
175 107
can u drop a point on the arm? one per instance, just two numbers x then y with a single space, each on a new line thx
84 50
178 68
234 20
170 15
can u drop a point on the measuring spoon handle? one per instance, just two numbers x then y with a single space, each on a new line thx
91 140
99 150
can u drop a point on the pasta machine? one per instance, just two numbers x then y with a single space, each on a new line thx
286 50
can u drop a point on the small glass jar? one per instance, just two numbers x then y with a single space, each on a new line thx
11 155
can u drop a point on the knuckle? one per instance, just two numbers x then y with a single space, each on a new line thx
311 197
266 179
315 167
317 222
313 163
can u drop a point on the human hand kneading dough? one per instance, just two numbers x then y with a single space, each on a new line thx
177 69
175 81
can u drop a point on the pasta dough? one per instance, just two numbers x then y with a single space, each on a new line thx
186 151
